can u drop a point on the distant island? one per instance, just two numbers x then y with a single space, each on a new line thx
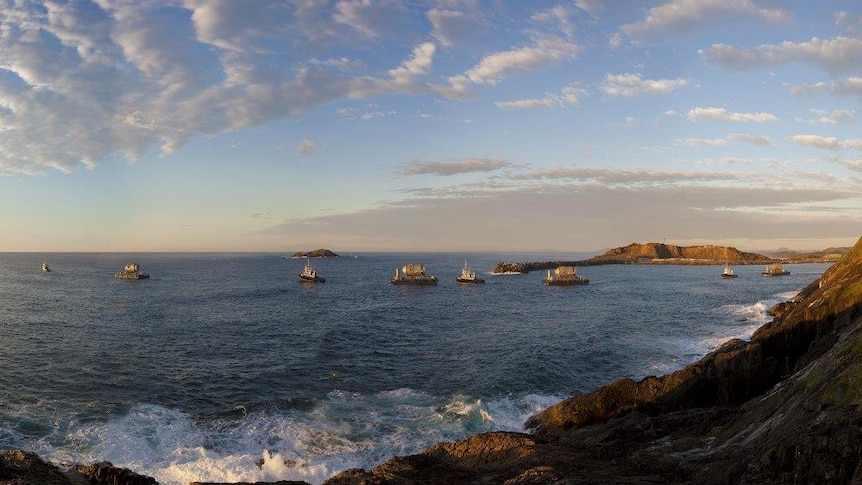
649 253
829 255
317 253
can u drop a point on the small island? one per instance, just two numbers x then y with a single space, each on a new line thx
317 253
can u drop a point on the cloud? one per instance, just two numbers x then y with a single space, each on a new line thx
834 118
639 212
454 167
367 17
569 96
753 139
305 147
850 86
496 67
630 85
836 55
688 15
720 114
827 142
454 22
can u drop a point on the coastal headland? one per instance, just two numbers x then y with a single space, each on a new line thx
648 253
783 407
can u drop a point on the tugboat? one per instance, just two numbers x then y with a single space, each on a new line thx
728 272
45 268
775 269
564 276
413 274
468 276
309 275
131 272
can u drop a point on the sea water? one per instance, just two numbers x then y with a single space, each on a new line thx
224 367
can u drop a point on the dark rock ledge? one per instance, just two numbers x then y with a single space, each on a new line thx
784 408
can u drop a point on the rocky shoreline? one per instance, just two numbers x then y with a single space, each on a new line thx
784 407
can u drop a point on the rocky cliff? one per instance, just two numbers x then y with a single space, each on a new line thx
785 407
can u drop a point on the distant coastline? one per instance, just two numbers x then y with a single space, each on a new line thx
668 254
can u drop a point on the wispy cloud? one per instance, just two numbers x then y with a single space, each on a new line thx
453 167
305 147
721 114
491 69
836 55
687 15
569 96
827 142
630 85
834 117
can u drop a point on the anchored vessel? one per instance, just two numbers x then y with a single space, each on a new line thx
309 275
775 269
728 272
468 276
413 274
45 267
131 272
564 276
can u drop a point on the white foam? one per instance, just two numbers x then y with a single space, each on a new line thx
346 430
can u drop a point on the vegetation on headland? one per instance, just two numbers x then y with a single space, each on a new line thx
650 253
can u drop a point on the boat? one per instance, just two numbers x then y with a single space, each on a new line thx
468 276
131 272
45 268
309 274
564 276
413 274
775 269
728 272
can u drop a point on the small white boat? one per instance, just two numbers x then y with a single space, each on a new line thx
468 276
45 268
564 276
728 272
131 272
775 269
309 274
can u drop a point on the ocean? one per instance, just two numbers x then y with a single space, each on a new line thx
224 367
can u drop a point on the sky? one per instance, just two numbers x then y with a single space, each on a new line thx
429 125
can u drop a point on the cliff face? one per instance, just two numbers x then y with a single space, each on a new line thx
785 407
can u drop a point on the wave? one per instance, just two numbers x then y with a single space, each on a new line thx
345 430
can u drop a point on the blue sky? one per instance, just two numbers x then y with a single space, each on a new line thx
438 125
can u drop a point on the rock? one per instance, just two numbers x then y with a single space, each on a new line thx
104 473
